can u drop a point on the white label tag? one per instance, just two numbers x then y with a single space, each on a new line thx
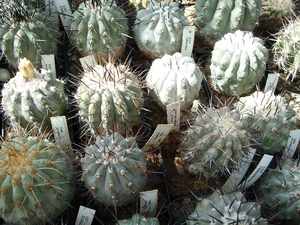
50 8
65 13
258 171
271 82
61 133
85 216
292 144
188 40
88 62
158 136
48 63
239 172
173 114
148 202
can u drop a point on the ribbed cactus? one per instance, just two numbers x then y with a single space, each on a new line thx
138 219
215 18
31 97
174 78
100 28
37 181
280 190
230 208
238 62
109 97
275 14
158 29
114 169
269 119
26 32
215 142
286 49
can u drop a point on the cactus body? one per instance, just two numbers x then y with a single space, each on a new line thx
139 220
32 97
275 14
230 208
174 78
36 181
286 49
280 188
215 18
270 120
26 32
114 169
216 141
109 97
238 62
99 28
158 29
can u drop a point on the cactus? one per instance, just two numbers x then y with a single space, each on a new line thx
215 142
31 97
174 78
109 97
26 33
37 180
215 18
158 29
270 120
238 62
114 169
138 219
230 208
140 4
286 49
100 28
280 190
275 14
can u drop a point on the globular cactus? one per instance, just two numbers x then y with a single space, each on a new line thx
37 180
31 97
26 33
140 4
286 49
238 62
280 188
174 78
215 142
215 18
138 219
275 14
109 97
269 119
230 208
114 169
158 29
100 28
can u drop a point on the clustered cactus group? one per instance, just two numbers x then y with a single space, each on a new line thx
111 101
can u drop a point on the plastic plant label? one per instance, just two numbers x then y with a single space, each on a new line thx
88 62
50 8
239 172
48 63
65 12
148 202
258 171
158 136
188 40
85 216
61 133
271 83
292 144
173 115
